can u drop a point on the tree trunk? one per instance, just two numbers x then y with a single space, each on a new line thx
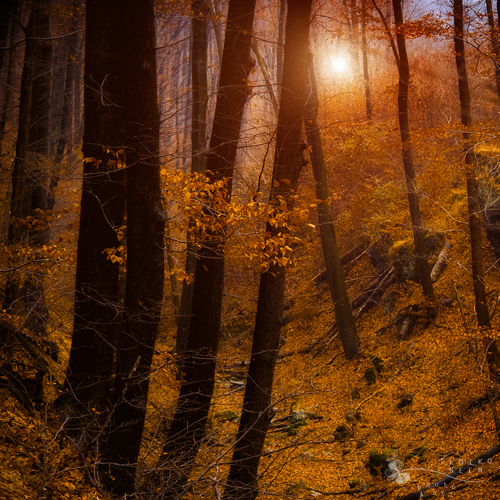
422 264
39 144
199 69
343 312
96 312
279 48
20 204
188 426
65 127
265 74
482 313
355 36
145 273
20 200
494 44
7 35
257 408
366 71
5 15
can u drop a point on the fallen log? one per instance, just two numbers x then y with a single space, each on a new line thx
374 292
348 261
441 262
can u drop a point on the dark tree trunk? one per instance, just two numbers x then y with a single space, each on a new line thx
5 15
145 273
199 69
288 162
65 128
39 135
96 312
33 292
366 71
343 312
20 205
404 126
20 200
494 44
482 313
470 169
7 35
188 426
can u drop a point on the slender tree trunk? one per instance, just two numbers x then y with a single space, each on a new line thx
199 69
5 15
145 273
20 200
355 35
404 126
482 313
33 292
265 74
494 44
65 127
7 38
343 311
281 42
96 312
188 426
20 205
366 71
39 135
257 407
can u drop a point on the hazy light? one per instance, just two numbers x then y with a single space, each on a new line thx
339 64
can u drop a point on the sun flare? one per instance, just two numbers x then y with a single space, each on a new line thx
339 64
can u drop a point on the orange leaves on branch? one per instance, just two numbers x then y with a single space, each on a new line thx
203 211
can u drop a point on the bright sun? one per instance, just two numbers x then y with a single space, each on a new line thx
339 64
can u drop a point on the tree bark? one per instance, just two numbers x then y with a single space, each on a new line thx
20 199
288 162
343 312
422 264
494 44
199 69
145 273
366 70
7 35
265 74
20 203
96 311
482 313
188 426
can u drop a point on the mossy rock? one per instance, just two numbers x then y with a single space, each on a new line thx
370 375
417 452
402 254
295 487
342 432
378 460
377 363
297 419
226 416
354 482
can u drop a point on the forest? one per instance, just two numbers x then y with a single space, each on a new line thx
250 249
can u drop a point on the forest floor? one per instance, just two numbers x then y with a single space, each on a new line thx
338 423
